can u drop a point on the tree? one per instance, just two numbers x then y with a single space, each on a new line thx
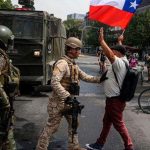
93 32
137 34
72 27
7 4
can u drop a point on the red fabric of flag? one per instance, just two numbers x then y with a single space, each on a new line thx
116 13
110 15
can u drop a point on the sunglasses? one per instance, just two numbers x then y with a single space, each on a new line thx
77 49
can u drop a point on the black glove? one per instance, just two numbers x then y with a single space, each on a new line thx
103 77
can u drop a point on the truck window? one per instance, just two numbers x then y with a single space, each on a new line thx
6 21
27 28
23 27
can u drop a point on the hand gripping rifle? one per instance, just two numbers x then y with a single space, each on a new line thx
75 109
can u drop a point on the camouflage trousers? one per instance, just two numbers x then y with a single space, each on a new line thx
55 109
10 143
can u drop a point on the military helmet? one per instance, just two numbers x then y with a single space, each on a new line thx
73 42
6 35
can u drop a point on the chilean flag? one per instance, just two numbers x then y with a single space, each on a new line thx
113 12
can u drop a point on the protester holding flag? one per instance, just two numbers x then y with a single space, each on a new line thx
114 105
115 13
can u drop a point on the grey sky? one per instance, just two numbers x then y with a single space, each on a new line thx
61 8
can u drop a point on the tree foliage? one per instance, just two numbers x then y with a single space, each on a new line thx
93 33
73 27
137 34
6 4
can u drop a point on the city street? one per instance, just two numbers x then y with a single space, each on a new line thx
31 114
33 37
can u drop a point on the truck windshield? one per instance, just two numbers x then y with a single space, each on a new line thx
24 27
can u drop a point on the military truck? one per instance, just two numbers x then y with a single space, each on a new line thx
39 41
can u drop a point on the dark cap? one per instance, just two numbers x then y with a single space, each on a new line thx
119 48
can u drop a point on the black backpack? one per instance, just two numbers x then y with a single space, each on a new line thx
129 83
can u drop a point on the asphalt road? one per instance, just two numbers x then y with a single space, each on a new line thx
31 116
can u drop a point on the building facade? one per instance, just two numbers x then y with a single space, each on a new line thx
76 16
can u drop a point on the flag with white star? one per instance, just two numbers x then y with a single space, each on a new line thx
113 12
131 5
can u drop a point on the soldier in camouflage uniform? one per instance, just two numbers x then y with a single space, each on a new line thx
7 141
65 72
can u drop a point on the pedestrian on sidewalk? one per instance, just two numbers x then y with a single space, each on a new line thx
133 62
102 62
65 84
114 105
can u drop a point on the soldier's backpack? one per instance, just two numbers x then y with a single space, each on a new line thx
129 83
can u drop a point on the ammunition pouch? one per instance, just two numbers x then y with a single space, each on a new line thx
74 89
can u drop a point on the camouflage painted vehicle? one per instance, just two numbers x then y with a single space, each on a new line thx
39 41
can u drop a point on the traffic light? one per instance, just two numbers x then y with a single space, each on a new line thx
26 2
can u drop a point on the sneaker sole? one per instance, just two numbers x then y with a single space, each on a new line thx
89 148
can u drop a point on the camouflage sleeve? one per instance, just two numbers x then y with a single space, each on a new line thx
88 78
2 63
4 101
59 71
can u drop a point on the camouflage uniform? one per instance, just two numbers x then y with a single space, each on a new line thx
60 82
7 141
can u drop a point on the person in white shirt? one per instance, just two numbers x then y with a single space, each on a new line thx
114 105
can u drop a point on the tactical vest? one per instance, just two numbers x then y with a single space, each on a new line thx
74 74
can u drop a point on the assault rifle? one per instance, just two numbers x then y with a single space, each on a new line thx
75 109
